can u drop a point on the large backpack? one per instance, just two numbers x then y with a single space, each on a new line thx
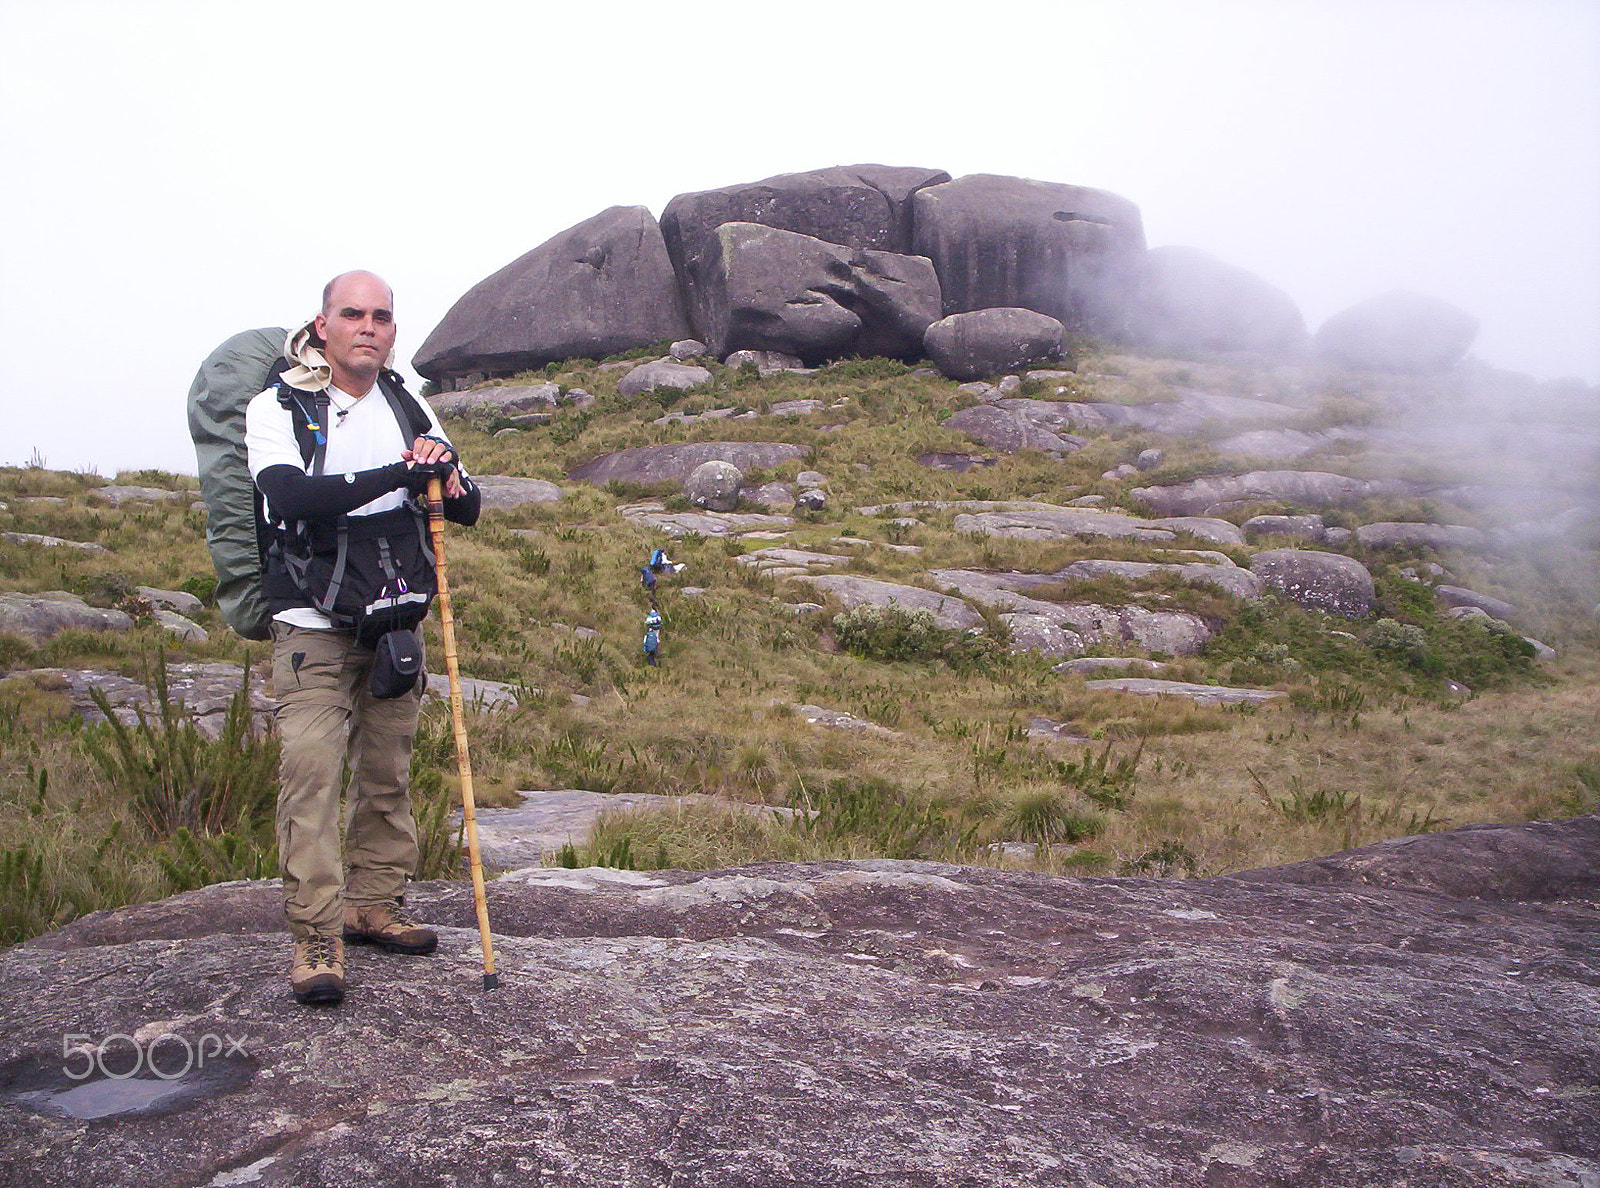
237 531
237 535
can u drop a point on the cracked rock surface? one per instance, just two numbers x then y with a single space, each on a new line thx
1373 1018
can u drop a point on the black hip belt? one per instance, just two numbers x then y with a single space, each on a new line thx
368 574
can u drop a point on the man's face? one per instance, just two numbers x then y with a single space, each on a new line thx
358 325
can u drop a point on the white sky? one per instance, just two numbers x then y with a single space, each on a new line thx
176 172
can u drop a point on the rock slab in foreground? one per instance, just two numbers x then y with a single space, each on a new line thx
655 515
202 691
503 400
1069 629
1423 1013
121 493
663 373
52 542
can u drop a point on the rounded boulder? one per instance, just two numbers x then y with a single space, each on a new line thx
1398 331
1189 300
1320 581
714 486
662 374
984 342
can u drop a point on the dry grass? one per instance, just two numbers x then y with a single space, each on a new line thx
1522 754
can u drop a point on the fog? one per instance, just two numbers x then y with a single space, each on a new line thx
178 172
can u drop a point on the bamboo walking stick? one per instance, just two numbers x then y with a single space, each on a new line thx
469 815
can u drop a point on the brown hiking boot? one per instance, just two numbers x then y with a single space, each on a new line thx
389 926
317 975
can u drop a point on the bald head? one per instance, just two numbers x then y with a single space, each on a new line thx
335 288
356 328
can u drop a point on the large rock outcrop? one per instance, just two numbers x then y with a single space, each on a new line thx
1420 1012
602 286
1068 251
1398 331
857 206
765 289
1189 300
860 232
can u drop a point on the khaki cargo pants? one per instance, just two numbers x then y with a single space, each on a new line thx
325 716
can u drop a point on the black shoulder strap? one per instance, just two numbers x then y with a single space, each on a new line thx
309 413
413 418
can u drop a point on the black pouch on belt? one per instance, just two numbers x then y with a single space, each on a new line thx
397 665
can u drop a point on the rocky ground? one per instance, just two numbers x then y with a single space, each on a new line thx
1422 1013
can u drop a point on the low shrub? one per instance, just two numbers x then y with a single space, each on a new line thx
1049 818
1405 642
871 368
202 585
896 633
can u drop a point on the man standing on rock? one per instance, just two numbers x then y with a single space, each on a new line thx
337 442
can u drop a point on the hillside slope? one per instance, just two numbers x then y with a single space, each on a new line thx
945 742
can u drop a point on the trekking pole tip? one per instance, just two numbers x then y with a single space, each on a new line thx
491 981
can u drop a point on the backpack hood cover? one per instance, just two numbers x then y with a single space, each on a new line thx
310 371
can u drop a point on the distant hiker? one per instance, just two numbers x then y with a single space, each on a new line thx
338 448
652 636
661 563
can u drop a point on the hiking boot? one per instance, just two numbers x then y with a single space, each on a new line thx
317 975
389 926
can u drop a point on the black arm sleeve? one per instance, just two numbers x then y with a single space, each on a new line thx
295 495
465 508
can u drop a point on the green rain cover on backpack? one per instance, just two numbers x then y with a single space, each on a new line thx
228 379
